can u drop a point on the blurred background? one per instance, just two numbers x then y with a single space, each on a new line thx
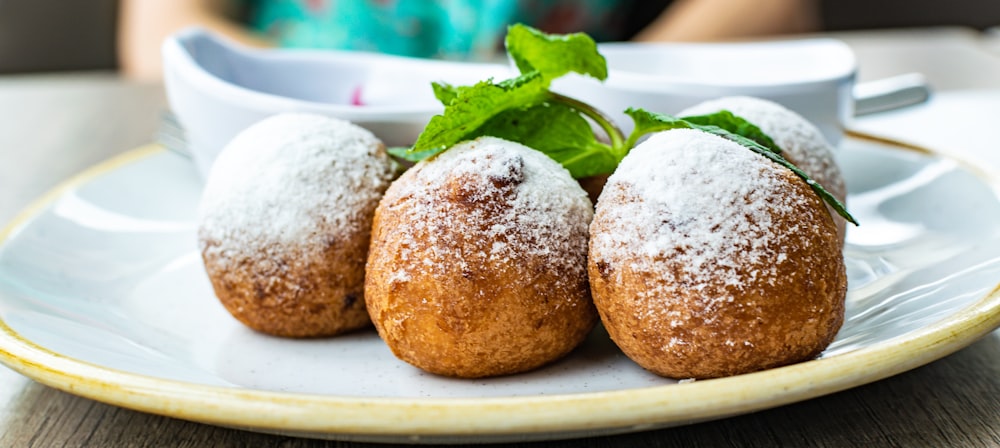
60 35
48 35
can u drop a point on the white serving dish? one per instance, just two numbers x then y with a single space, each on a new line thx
217 88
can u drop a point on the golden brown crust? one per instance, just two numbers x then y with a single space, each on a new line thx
444 299
778 311
288 292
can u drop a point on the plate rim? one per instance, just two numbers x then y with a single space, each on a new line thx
520 417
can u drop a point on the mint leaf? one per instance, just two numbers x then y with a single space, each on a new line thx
647 122
558 131
444 92
554 55
473 106
737 125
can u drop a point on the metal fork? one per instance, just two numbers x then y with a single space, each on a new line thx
171 134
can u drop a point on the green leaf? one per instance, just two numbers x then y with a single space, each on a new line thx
647 122
554 55
444 92
737 125
558 131
475 105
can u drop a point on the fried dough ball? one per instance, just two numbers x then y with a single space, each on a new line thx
285 223
478 262
801 142
708 260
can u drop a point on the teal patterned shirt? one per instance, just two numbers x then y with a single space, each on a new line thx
445 29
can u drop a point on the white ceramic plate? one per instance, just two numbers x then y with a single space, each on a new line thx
102 295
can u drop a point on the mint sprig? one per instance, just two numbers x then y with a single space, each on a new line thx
523 109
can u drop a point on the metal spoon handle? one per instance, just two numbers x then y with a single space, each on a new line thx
890 93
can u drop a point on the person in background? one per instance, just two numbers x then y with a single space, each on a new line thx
447 29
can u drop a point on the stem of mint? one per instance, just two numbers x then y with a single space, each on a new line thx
615 135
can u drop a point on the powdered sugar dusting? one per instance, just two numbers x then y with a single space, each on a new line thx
698 211
489 200
293 180
801 142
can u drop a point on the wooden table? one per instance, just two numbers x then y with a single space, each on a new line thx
52 126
